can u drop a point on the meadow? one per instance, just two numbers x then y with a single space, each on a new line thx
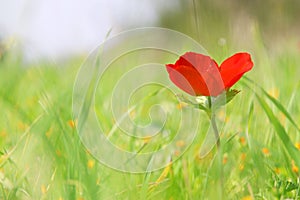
42 156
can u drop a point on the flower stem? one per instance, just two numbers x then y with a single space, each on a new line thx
212 116
215 129
209 102
219 156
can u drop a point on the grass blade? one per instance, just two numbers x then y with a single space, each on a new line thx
293 152
276 103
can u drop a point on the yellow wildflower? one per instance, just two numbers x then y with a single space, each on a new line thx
243 156
225 158
294 167
91 163
247 198
43 189
265 151
243 140
72 123
180 143
297 145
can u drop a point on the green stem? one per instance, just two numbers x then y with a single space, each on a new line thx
212 117
219 155
215 129
209 102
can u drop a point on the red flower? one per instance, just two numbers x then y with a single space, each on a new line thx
198 74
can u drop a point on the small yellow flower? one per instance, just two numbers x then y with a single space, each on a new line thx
177 153
247 198
181 105
265 151
277 170
297 145
180 143
243 156
147 139
72 123
91 163
43 189
225 158
294 167
243 141
241 167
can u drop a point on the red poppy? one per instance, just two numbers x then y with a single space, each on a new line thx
199 75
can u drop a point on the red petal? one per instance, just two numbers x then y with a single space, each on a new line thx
187 79
233 68
196 74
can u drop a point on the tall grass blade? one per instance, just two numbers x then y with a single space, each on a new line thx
276 103
293 152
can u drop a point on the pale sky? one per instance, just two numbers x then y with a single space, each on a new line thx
54 28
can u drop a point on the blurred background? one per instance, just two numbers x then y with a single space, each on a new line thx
60 29
43 43
56 29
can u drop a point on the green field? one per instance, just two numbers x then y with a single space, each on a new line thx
42 157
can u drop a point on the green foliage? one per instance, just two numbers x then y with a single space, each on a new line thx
41 155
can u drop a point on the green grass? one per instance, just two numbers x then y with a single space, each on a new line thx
42 156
